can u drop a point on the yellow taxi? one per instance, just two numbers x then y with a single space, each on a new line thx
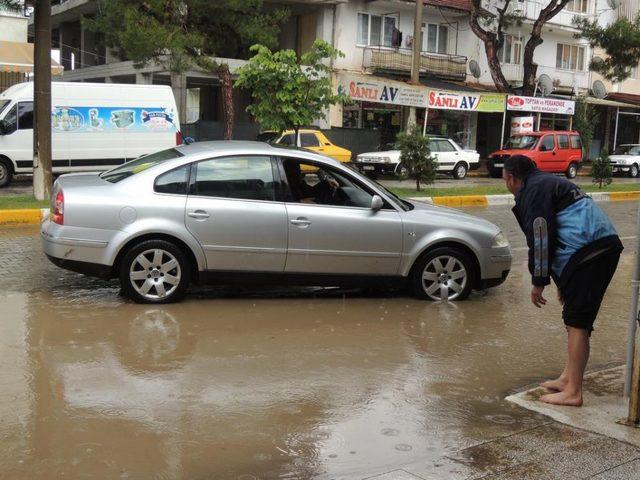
315 141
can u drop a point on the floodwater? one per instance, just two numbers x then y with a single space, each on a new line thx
265 383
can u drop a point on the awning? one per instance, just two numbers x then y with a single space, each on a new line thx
628 98
18 57
608 103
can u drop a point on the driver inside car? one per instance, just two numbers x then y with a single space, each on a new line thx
322 192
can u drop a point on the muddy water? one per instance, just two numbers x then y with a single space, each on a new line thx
263 383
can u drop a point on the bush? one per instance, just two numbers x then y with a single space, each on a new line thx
601 170
415 156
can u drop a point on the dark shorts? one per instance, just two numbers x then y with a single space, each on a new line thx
584 290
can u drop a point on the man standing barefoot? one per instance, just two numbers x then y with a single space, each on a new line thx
571 240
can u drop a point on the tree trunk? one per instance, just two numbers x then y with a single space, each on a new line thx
500 81
418 184
530 67
227 100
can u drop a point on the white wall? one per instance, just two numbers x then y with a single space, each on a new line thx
13 28
346 26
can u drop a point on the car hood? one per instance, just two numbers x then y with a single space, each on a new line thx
515 151
386 153
623 158
450 216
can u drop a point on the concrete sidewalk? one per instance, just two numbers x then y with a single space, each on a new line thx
568 444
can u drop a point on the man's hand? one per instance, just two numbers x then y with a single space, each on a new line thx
536 296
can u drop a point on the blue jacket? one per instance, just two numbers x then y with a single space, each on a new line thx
563 225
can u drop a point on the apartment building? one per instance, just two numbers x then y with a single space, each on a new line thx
376 37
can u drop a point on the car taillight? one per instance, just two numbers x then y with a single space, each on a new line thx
178 138
58 208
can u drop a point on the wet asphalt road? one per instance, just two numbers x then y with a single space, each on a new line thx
268 383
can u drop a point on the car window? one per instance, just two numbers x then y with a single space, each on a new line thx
247 177
445 146
563 141
546 143
140 164
287 140
521 142
11 120
174 181
576 141
309 140
309 183
25 116
434 145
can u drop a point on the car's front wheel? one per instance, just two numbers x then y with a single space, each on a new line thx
444 273
155 271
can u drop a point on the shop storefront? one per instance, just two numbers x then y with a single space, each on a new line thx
465 116
377 103
547 113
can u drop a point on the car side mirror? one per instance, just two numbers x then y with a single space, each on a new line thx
543 148
4 128
376 203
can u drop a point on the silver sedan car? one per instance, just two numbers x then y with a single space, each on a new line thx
224 212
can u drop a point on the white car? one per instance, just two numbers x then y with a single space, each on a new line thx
626 159
451 158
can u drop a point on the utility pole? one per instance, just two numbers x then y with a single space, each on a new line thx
417 48
42 178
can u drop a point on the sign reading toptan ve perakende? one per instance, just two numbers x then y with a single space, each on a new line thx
540 105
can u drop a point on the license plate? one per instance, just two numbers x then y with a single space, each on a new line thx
368 168
498 165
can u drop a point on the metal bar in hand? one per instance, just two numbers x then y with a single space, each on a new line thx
633 317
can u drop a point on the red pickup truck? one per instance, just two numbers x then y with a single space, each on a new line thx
552 151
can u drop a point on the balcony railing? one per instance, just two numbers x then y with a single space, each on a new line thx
564 79
530 10
400 59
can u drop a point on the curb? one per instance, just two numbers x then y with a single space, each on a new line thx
33 216
24 216
490 200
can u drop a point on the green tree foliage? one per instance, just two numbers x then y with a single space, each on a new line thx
183 34
584 122
601 170
290 92
621 42
415 156
12 5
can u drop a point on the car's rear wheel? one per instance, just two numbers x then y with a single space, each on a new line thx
444 273
633 171
155 271
572 171
6 173
460 171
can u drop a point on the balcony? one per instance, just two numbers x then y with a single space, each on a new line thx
530 10
562 79
398 60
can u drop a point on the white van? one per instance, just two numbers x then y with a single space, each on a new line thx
94 126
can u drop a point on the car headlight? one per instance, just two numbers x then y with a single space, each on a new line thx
500 241
386 159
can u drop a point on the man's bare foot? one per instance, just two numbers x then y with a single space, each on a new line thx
556 385
563 398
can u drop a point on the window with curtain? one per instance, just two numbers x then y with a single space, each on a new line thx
570 57
376 30
436 39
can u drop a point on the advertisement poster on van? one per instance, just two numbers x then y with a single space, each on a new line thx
521 125
111 119
379 90
467 101
540 105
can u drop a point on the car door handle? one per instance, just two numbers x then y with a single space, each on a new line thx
198 215
301 222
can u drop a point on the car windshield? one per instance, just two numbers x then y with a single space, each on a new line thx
140 164
521 142
3 104
627 150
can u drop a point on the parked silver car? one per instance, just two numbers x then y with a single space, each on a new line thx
246 211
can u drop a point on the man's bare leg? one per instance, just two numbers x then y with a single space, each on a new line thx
559 383
576 364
